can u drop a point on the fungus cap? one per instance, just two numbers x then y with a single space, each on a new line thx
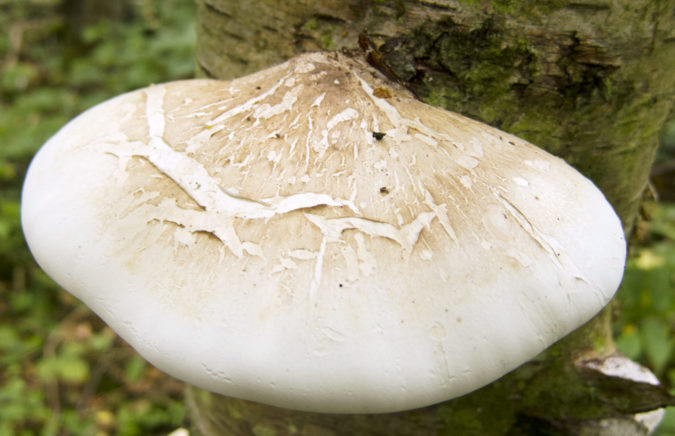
313 237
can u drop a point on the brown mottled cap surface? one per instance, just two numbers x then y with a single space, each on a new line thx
312 237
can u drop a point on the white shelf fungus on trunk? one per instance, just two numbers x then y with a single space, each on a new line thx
312 237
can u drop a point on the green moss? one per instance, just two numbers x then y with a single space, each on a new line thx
327 38
476 62
310 25
551 96
468 2
444 92
469 421
526 9
263 430
607 88
541 128
232 411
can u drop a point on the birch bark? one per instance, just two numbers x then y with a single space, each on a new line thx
589 80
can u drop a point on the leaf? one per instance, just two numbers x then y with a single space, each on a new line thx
657 343
101 342
667 426
134 370
629 343
647 260
73 369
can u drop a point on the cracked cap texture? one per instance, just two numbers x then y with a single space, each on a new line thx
312 237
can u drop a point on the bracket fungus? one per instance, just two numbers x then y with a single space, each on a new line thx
302 238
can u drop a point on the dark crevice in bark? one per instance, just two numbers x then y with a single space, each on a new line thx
214 10
204 71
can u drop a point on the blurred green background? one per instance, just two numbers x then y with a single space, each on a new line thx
62 371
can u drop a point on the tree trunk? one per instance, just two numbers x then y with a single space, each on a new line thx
589 80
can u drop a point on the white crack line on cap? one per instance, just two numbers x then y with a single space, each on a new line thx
401 124
221 206
552 247
331 228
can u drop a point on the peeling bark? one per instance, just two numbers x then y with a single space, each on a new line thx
589 80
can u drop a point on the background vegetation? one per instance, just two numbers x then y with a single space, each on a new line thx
62 371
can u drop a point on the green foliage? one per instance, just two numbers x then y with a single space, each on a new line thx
667 142
646 314
647 306
61 370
